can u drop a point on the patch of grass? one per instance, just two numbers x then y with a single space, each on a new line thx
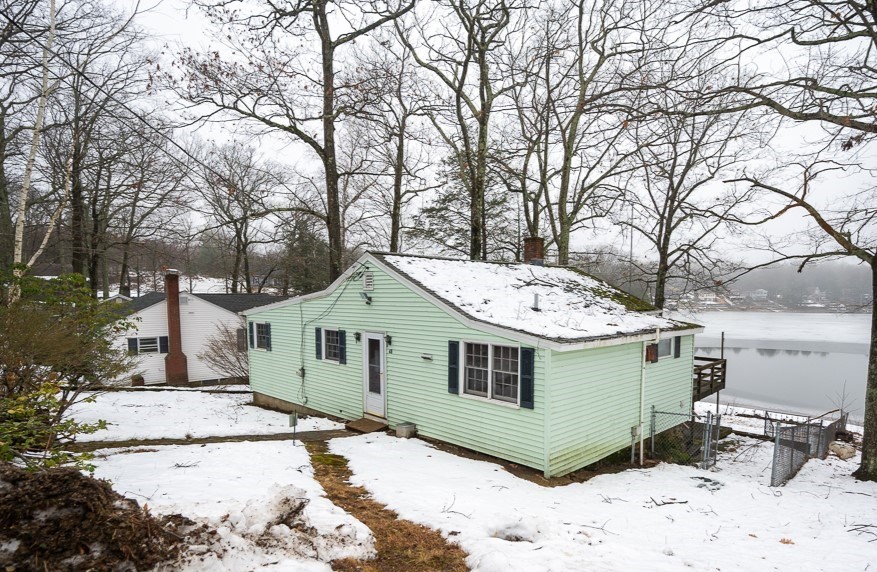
402 545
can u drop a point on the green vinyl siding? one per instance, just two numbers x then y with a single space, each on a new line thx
417 388
595 399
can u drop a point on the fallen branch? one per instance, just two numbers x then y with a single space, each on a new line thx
671 501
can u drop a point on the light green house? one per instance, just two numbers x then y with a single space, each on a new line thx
542 366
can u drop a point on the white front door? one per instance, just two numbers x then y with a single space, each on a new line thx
375 379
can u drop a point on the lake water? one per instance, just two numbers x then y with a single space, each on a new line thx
807 363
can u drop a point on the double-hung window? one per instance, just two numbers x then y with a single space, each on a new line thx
332 343
263 336
491 371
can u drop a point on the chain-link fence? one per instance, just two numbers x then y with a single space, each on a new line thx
795 442
684 438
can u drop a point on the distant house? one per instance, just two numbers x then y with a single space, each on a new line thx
707 297
173 328
759 295
543 366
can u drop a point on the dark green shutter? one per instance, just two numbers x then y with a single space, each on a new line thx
252 336
342 347
163 345
677 346
132 346
453 367
527 373
268 336
318 340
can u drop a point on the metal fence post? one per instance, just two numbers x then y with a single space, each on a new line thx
652 433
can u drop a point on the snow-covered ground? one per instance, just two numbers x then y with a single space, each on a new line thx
665 518
241 490
181 414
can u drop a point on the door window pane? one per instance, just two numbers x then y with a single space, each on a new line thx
374 366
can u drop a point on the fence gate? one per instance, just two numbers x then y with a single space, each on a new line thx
795 442
685 438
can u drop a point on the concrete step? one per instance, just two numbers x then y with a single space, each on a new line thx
365 425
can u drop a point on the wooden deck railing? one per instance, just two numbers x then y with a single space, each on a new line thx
709 376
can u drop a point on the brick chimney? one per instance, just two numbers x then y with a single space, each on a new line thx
175 367
534 250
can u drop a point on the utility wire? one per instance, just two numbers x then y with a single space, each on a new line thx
116 100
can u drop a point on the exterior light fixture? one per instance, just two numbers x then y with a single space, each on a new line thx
357 336
366 296
389 339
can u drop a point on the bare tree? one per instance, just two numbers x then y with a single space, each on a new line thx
236 186
681 206
829 51
226 351
467 47
287 81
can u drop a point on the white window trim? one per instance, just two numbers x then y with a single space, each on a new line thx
461 382
157 351
324 352
256 337
672 348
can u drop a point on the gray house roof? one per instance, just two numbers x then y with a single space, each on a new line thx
232 302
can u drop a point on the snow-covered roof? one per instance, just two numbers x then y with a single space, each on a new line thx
572 306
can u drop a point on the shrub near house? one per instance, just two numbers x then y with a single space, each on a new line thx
543 366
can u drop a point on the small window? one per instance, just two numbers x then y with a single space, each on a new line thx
263 336
665 347
332 344
147 345
150 345
491 371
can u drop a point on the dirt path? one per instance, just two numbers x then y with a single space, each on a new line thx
402 546
303 436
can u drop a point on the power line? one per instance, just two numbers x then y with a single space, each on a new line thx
114 99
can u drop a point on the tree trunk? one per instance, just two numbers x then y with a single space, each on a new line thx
6 230
77 209
333 208
124 282
661 281
398 172
868 469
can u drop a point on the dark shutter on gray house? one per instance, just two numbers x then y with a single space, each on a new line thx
163 345
528 364
318 341
268 336
652 353
132 346
453 367
677 346
252 335
342 347
241 339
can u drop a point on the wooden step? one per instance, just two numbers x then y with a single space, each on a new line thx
365 425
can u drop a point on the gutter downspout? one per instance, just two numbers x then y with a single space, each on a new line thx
642 396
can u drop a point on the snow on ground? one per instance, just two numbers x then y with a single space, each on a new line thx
727 519
241 489
181 414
